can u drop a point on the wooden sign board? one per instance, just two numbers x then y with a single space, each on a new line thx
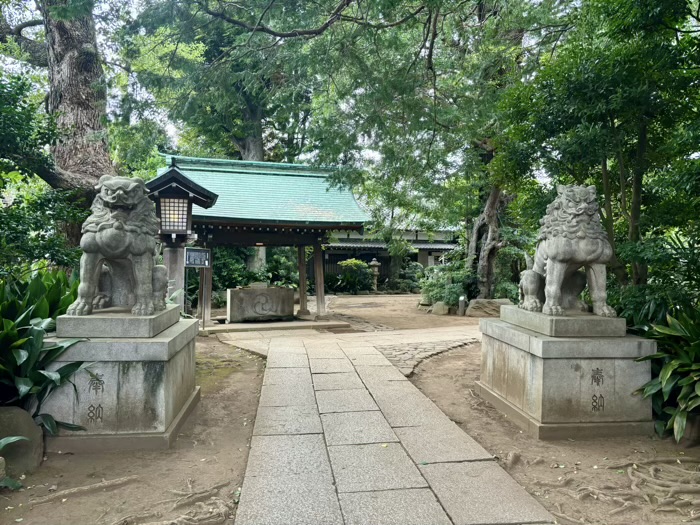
197 258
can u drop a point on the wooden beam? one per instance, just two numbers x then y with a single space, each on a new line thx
301 256
231 237
319 278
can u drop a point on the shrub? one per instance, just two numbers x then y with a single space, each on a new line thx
282 268
675 387
28 309
448 283
355 275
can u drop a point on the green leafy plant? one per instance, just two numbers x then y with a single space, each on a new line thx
28 309
7 482
355 275
447 283
675 387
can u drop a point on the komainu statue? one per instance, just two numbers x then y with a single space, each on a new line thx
118 267
571 238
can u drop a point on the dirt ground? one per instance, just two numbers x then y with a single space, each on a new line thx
397 311
641 480
201 474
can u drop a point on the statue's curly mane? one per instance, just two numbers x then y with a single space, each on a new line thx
558 222
140 219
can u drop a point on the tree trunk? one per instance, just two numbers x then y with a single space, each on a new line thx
78 99
616 266
251 146
485 243
639 268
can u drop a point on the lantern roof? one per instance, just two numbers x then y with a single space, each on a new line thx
173 181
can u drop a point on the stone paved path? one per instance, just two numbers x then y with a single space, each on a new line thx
343 438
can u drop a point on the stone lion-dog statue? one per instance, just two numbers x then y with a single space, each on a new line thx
118 267
571 237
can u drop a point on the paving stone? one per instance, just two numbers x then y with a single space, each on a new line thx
344 401
440 444
373 467
287 455
482 492
379 373
325 353
288 500
287 420
329 366
356 428
287 376
279 349
287 395
337 381
393 507
403 405
369 360
286 360
359 350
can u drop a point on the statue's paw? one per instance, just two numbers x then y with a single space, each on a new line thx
552 310
582 306
604 310
101 301
79 307
531 305
143 308
159 304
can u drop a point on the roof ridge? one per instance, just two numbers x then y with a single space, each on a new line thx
245 165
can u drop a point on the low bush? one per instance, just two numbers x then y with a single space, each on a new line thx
447 283
355 275
675 387
28 310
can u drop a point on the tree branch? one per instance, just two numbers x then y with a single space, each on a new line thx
35 53
334 17
387 25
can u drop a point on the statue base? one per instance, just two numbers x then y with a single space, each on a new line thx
565 387
136 392
116 322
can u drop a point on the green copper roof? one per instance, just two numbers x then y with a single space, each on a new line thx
269 192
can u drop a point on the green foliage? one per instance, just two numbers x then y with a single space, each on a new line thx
675 388
33 223
449 282
28 309
282 268
7 482
355 275
134 147
24 129
230 270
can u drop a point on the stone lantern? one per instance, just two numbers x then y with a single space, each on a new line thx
375 264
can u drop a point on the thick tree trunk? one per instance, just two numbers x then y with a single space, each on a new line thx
485 243
251 147
78 99
616 266
639 268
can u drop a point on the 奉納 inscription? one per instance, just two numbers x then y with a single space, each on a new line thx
598 403
597 377
96 383
95 413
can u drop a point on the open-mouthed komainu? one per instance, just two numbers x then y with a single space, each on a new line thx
118 267
571 238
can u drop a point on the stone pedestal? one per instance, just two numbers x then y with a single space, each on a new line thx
259 304
137 391
558 386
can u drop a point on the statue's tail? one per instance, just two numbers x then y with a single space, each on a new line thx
529 261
